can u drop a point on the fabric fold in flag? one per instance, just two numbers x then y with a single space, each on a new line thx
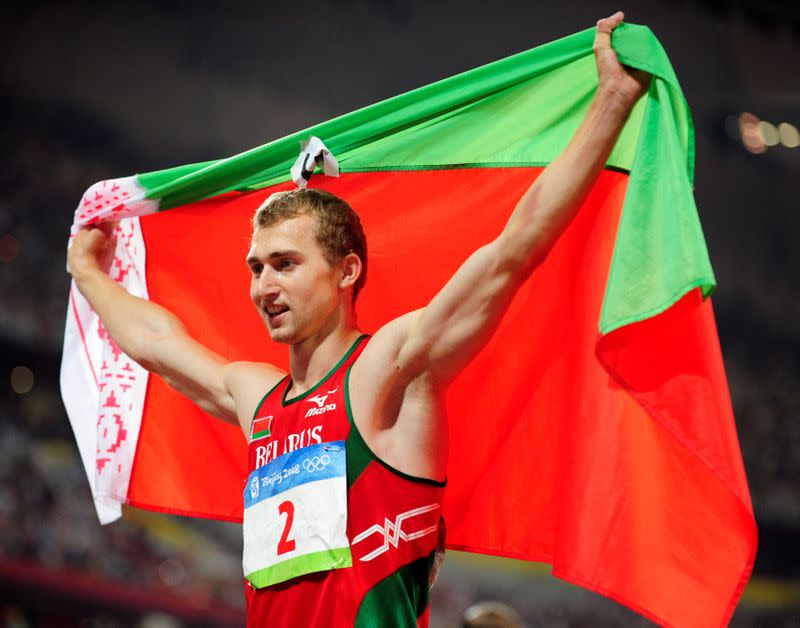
594 432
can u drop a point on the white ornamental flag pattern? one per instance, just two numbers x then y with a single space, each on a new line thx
103 389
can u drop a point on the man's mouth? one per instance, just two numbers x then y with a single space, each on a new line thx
274 311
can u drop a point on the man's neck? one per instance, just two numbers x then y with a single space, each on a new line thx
312 359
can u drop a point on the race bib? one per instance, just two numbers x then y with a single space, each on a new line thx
295 515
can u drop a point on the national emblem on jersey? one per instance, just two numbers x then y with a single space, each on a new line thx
260 428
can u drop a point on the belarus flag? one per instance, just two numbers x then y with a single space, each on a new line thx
594 432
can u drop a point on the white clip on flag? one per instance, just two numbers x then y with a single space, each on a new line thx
313 152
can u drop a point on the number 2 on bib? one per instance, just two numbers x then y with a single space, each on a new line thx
298 525
286 544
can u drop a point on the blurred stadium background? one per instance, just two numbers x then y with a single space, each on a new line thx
94 90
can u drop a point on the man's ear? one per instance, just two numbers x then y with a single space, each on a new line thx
351 270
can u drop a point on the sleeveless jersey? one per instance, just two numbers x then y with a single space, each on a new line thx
392 519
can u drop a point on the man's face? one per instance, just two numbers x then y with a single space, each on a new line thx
293 286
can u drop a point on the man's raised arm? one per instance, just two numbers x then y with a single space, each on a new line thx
443 337
157 339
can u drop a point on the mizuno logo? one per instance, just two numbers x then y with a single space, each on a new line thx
319 400
321 406
393 532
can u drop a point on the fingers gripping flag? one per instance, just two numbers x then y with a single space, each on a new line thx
594 432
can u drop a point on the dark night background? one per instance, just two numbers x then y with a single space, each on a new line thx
94 90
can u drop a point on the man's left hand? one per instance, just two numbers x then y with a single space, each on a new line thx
616 80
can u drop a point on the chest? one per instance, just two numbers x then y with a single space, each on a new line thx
283 425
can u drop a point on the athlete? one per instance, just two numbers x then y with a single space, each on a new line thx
348 451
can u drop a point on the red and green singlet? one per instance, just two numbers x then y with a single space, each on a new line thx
333 535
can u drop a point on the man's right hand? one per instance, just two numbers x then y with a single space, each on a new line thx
92 248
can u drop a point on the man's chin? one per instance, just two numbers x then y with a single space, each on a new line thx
278 337
280 334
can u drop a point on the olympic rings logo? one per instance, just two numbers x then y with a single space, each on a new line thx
316 463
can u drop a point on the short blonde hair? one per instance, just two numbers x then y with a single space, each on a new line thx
339 230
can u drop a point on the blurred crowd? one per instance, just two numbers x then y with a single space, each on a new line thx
43 178
766 405
47 518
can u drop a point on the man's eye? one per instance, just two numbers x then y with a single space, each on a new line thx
256 269
285 264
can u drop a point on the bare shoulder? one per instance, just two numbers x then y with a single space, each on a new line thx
247 383
379 379
396 405
380 356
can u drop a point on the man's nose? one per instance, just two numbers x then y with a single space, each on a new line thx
266 287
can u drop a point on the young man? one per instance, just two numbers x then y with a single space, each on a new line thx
348 452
